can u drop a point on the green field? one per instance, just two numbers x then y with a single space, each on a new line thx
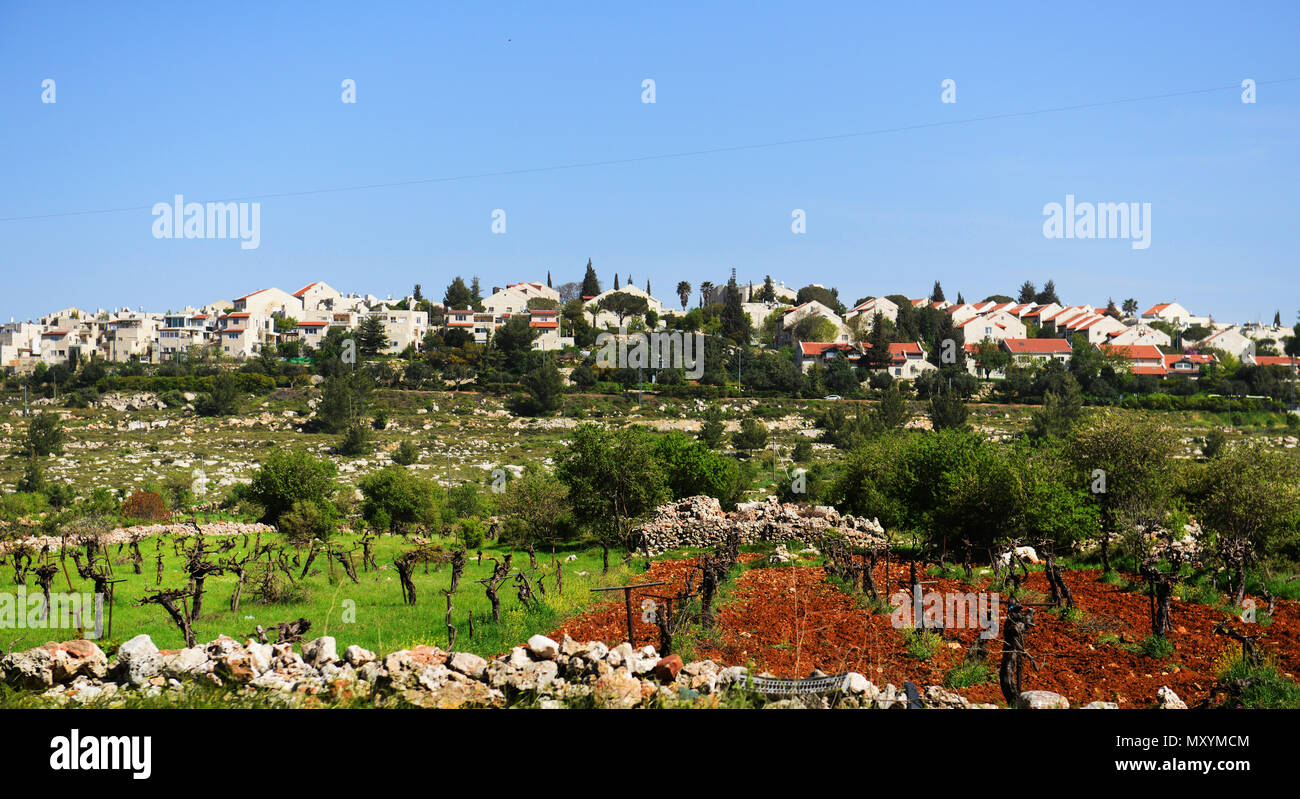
370 613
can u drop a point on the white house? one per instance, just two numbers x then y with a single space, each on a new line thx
1230 340
267 302
1031 351
403 328
317 296
887 308
1140 334
812 308
1170 312
608 319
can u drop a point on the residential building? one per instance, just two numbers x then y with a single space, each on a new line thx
268 302
824 352
887 308
317 296
1170 312
1139 334
1036 351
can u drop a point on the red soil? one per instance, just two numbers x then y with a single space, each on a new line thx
789 621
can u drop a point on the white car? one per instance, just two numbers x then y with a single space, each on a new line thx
832 397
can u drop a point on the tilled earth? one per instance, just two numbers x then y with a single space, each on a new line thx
788 621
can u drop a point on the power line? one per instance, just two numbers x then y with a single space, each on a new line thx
679 154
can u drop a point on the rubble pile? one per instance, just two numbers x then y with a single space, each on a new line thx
701 522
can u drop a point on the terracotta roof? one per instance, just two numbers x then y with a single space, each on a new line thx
1155 309
1275 360
1136 352
1143 369
1037 346
246 296
818 347
304 289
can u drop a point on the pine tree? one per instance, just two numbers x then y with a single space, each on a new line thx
590 285
548 279
1028 291
937 294
616 281
457 295
476 294
735 322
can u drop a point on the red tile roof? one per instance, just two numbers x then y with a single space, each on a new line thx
1142 369
1037 346
818 347
1276 360
1136 352
303 290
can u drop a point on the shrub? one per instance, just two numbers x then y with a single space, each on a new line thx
1213 443
286 477
178 489
406 453
802 451
470 532
967 674
173 398
395 499
1261 685
146 506
751 435
921 643
45 435
23 504
355 441
1156 647
307 520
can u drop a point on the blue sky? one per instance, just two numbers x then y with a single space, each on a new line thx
243 101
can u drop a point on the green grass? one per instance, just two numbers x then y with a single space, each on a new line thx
1065 613
1156 647
1264 688
369 613
966 674
921 644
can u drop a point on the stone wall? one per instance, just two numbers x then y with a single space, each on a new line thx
125 535
543 673
701 522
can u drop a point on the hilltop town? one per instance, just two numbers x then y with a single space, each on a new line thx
893 335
